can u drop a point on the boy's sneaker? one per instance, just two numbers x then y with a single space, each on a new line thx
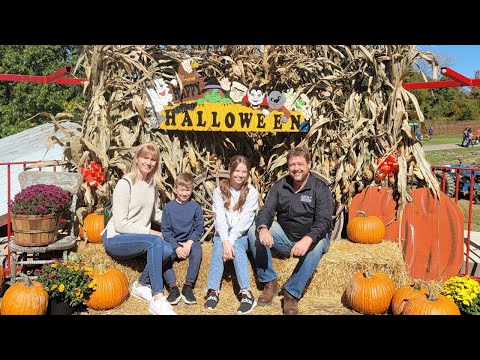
212 300
161 307
141 292
187 295
247 304
174 296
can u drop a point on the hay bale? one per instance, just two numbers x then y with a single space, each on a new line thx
322 296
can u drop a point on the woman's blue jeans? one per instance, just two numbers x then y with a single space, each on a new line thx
128 246
240 262
281 243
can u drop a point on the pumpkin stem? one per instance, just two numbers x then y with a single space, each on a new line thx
368 273
431 294
417 285
362 213
27 280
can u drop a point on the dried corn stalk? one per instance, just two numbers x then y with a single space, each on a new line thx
358 106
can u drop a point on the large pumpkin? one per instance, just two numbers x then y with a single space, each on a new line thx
25 297
432 236
370 293
111 291
404 294
431 304
431 231
377 201
93 225
365 229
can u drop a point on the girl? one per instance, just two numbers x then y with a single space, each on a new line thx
235 202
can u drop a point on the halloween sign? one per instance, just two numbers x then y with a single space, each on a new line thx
210 104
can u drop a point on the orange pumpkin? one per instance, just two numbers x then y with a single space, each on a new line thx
377 201
25 297
94 225
370 293
431 230
365 229
404 294
111 291
431 304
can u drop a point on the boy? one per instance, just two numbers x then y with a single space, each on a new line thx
182 227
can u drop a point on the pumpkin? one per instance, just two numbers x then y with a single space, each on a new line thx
377 201
404 294
431 304
93 225
25 297
432 236
111 291
370 293
365 229
431 230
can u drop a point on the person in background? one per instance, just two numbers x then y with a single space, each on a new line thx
128 233
477 136
465 137
303 206
235 202
182 227
430 133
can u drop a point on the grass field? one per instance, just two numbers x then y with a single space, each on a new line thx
469 156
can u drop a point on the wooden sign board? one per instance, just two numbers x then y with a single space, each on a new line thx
209 104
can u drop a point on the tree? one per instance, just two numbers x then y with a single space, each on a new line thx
20 101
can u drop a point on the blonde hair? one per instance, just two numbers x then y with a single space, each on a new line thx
147 149
225 184
184 179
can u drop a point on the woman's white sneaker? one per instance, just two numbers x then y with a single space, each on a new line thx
161 307
141 292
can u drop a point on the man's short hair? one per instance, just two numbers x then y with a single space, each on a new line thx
299 152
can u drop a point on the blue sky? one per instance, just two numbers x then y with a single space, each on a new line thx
464 59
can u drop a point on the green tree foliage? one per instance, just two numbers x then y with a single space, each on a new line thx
20 101
453 103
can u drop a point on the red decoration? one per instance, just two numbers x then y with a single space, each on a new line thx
387 165
93 174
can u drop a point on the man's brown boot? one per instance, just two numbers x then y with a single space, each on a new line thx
269 291
290 304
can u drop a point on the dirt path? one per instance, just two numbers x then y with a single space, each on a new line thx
427 147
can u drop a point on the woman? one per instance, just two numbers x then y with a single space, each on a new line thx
235 202
128 233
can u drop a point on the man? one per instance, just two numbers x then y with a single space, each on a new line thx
303 205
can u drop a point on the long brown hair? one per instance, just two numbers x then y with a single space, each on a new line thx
225 184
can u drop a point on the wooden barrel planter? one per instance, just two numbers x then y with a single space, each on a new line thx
35 230
431 232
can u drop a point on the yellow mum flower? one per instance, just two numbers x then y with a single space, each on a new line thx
61 288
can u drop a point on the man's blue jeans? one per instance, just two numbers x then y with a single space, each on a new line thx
194 260
281 243
128 246
240 262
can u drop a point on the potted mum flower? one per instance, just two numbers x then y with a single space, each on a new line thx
36 213
69 285
465 291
